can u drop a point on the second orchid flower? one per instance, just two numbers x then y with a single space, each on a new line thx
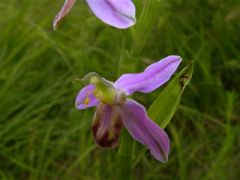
115 109
116 13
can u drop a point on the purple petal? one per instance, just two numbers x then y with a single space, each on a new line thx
117 13
144 130
153 76
106 126
86 98
63 12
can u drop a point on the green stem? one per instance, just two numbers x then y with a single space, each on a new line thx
124 157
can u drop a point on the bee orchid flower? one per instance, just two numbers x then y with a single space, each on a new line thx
116 13
116 109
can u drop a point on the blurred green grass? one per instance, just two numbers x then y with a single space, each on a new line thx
42 135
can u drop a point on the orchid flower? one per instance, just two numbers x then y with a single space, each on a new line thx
115 109
116 13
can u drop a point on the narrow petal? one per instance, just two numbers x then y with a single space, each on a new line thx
63 12
106 126
144 130
86 98
117 13
153 76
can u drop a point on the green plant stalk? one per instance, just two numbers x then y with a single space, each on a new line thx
148 17
124 156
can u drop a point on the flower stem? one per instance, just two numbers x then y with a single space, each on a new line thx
124 157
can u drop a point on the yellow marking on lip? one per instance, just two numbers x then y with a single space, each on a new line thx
86 101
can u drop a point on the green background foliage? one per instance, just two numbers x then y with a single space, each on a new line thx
43 136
